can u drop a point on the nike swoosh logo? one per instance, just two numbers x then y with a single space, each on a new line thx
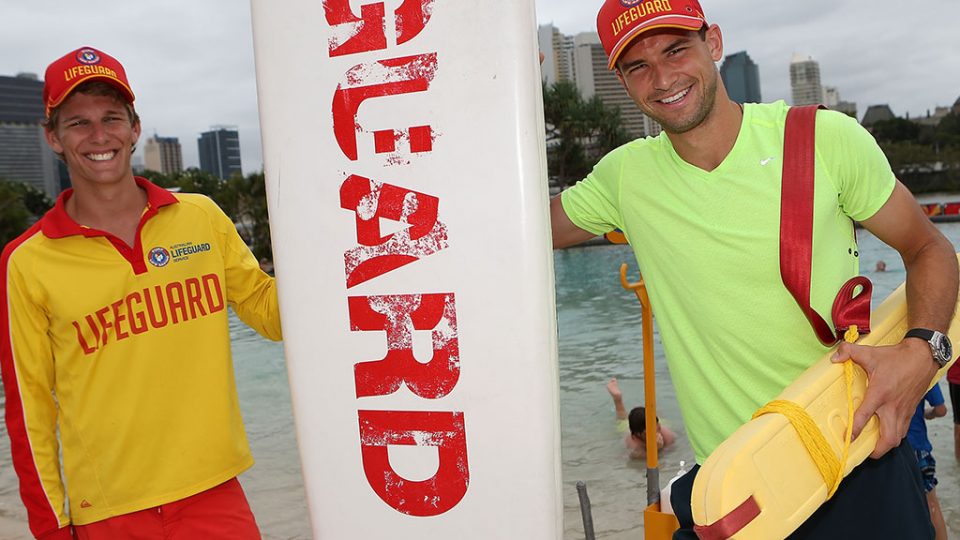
765 161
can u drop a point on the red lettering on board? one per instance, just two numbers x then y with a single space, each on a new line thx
399 316
421 139
384 141
397 76
376 255
368 31
443 430
412 18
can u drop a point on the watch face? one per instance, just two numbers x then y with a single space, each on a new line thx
943 351
939 344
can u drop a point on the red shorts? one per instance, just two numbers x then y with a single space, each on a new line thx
219 512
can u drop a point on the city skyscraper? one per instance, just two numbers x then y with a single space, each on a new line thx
831 98
163 154
24 154
220 151
581 60
593 78
741 77
805 80
557 54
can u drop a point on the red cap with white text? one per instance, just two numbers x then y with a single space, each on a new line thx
79 66
620 21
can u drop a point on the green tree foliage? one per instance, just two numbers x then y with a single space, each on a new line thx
896 130
903 154
14 217
926 159
194 180
947 133
37 202
579 131
158 178
20 205
243 198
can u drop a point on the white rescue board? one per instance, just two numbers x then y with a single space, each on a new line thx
406 181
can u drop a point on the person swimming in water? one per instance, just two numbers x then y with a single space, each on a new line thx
636 422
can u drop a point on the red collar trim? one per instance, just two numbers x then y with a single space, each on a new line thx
58 224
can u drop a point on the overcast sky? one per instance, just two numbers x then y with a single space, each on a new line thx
191 61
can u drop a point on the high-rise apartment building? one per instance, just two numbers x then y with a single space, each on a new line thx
557 51
831 98
593 78
581 60
163 154
741 78
220 151
805 80
24 154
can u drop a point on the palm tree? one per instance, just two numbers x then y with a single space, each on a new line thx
578 132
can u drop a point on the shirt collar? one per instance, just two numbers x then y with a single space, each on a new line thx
58 224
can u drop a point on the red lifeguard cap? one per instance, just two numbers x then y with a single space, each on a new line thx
620 21
81 65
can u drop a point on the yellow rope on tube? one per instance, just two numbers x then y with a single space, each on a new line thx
831 469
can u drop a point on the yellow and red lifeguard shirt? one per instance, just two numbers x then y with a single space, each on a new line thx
126 351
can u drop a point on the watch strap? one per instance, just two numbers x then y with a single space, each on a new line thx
922 333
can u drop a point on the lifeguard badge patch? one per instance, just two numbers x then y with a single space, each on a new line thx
88 56
158 257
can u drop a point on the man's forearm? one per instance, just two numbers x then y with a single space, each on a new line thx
932 284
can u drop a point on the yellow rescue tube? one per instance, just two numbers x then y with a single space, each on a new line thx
763 473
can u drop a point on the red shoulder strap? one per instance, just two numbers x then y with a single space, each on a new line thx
796 232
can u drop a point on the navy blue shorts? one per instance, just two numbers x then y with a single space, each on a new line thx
882 498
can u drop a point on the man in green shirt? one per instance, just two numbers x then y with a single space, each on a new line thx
700 206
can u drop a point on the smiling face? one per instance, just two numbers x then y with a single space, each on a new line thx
95 134
671 75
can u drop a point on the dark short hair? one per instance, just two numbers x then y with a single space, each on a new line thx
702 32
638 420
94 88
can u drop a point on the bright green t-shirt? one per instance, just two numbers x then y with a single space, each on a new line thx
708 247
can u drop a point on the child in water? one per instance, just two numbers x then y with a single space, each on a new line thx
637 423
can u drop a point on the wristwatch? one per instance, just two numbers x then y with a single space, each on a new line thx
939 344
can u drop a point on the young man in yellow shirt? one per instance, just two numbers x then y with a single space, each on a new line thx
114 341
